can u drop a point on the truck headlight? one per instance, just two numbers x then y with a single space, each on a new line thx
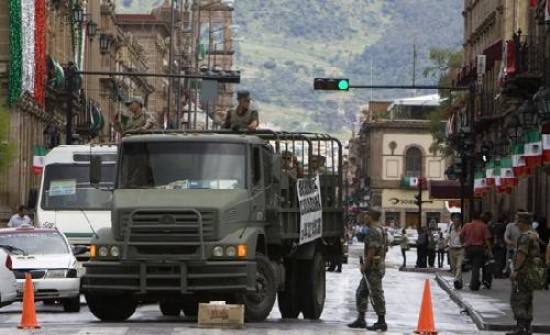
103 251
115 251
217 251
231 251
60 273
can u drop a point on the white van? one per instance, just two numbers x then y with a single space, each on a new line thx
66 199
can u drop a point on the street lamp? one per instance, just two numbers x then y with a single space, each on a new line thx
513 128
528 114
81 18
542 100
78 14
105 42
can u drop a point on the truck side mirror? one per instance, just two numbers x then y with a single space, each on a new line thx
95 170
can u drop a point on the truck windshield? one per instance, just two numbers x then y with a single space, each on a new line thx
177 165
67 187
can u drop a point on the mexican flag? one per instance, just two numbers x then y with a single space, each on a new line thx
518 162
480 185
498 183
410 181
507 177
532 149
534 3
546 148
490 173
38 159
27 35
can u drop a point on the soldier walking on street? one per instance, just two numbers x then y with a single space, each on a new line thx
373 269
525 257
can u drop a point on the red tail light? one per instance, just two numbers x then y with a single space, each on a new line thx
8 262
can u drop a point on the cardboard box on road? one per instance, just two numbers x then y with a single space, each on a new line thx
219 314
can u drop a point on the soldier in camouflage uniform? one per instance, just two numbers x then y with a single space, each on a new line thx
373 270
243 117
138 120
526 254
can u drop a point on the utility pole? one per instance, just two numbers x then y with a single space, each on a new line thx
170 59
414 67
70 75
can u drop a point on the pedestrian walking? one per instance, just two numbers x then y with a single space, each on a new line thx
476 238
526 254
404 244
456 250
510 237
422 248
373 269
432 248
20 218
497 230
441 248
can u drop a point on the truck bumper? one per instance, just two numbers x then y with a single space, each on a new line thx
149 277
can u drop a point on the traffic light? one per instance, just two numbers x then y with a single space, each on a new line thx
331 84
221 76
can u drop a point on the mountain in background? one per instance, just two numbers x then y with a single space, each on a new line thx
286 43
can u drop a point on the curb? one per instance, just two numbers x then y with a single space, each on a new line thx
476 317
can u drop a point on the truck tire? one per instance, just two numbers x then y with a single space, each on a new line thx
170 307
190 306
288 298
71 305
314 290
111 307
258 305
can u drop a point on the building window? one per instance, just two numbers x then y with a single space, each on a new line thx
413 159
393 219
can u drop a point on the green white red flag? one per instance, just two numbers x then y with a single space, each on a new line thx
532 149
518 162
410 181
546 148
507 177
490 173
480 185
38 159
498 184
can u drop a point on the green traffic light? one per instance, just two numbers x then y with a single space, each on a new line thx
343 84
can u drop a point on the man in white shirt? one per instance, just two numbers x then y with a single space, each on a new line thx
20 218
456 250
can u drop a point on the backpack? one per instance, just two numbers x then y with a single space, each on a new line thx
536 272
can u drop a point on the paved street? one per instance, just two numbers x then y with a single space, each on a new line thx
403 296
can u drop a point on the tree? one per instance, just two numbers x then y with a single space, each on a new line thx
7 147
444 62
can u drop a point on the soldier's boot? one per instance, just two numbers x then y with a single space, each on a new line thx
528 327
520 328
380 324
359 322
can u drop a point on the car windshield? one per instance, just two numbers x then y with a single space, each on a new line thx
176 165
67 187
36 243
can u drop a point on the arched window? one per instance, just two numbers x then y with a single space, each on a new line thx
413 160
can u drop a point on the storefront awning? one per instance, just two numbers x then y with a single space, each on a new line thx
446 189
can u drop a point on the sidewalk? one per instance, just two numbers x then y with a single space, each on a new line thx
490 308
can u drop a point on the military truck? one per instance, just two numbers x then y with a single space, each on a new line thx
211 215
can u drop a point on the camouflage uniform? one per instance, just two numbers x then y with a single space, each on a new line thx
136 123
375 238
236 120
521 298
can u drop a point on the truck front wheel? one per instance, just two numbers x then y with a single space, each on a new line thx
170 307
314 287
111 307
259 304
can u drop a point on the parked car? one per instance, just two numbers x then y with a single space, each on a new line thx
46 254
8 283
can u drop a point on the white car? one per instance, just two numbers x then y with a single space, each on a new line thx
8 283
46 254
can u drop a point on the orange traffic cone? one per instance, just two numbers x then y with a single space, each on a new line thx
426 318
28 318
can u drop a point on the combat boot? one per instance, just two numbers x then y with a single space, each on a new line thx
528 327
520 328
359 322
380 324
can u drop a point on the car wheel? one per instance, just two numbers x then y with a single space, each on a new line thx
71 305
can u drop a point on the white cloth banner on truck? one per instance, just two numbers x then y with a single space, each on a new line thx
311 210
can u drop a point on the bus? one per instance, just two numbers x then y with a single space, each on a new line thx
66 199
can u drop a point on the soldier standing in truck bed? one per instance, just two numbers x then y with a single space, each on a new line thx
242 117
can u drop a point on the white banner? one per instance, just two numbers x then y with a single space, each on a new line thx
311 209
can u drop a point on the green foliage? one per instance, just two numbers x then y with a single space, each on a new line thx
7 147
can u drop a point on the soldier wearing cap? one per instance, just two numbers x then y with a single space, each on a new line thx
373 269
138 120
317 164
242 117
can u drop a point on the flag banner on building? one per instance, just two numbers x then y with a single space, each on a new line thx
507 177
518 162
27 35
39 156
490 173
410 181
311 210
480 185
498 183
534 3
532 149
546 148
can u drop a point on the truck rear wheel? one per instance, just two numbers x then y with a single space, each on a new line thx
259 304
71 305
111 307
288 299
314 287
170 307
190 305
